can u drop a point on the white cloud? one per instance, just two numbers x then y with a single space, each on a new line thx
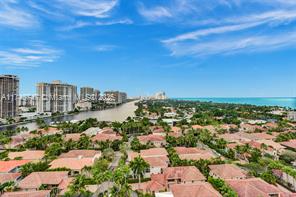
81 24
205 32
32 56
155 13
242 44
104 48
91 8
13 16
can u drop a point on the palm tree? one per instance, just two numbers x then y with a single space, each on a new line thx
139 166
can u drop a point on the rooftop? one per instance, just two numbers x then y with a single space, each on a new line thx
27 155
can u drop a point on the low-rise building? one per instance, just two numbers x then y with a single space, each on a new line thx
39 193
254 187
81 154
101 137
227 171
49 179
76 165
12 165
169 177
156 140
155 157
27 155
194 153
202 189
7 177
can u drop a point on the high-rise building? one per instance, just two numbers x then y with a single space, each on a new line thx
115 97
86 93
56 97
97 95
89 94
9 92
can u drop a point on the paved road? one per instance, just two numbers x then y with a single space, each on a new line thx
115 161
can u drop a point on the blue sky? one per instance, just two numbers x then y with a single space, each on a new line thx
188 48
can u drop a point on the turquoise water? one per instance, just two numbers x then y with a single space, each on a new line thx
289 102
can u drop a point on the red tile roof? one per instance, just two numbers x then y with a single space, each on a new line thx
71 163
5 177
290 144
101 137
27 155
193 153
154 152
39 193
151 138
201 189
72 136
184 173
80 153
36 179
253 187
7 166
161 161
227 171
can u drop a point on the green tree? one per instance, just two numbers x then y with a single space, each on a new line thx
139 166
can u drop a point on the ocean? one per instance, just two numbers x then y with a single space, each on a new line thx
289 102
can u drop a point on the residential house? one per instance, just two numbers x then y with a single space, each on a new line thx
48 179
76 165
33 155
155 157
102 137
227 171
291 144
194 153
94 154
156 140
200 189
254 187
75 137
39 193
169 177
11 165
6 177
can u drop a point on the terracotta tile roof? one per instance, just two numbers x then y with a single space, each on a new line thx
106 137
193 153
227 171
175 134
200 189
184 173
72 136
270 143
5 177
290 144
154 152
197 126
36 179
63 186
80 153
149 186
260 136
27 155
7 166
253 187
176 129
151 138
49 131
71 163
39 193
107 131
161 161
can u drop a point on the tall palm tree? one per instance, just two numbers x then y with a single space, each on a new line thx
139 166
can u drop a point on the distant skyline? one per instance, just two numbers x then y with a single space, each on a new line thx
187 48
